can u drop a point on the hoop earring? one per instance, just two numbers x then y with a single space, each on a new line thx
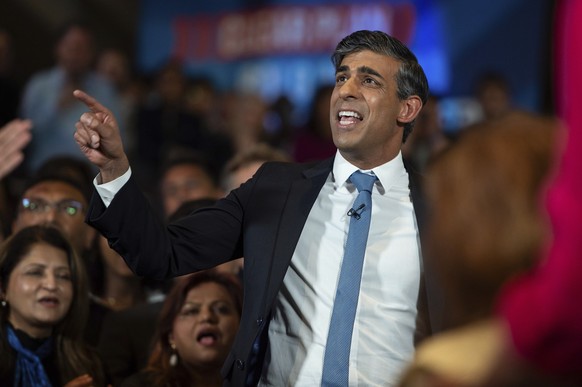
173 356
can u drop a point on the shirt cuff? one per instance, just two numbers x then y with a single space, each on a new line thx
107 191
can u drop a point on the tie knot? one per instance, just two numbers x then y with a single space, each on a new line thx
363 181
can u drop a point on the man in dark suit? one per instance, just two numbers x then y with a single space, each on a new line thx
290 222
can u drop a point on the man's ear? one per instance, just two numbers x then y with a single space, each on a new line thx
409 109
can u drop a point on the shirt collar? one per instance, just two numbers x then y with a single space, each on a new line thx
390 174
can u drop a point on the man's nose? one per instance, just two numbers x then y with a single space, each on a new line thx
49 215
349 89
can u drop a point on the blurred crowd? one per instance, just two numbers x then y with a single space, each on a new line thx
190 144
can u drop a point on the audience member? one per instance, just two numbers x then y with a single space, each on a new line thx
166 124
539 313
290 222
196 329
535 338
485 227
47 97
242 166
187 177
43 288
14 136
493 94
483 196
69 167
114 65
278 123
60 201
226 110
246 125
428 138
126 338
202 100
314 141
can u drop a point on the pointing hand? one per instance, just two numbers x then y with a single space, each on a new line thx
97 134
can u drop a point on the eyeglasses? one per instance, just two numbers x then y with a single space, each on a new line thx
37 206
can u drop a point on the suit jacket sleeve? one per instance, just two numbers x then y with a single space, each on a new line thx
199 241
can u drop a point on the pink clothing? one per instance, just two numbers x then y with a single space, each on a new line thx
544 309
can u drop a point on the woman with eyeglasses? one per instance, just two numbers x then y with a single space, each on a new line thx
44 306
196 329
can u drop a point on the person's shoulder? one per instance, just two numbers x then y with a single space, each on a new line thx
43 78
100 87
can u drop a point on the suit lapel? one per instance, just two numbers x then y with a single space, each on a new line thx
300 198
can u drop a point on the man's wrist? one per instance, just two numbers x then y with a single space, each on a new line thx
112 172
108 190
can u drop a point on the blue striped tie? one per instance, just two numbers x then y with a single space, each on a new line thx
339 339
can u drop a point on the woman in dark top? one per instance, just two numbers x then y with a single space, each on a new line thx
44 306
196 329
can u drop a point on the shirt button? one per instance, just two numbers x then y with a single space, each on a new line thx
240 364
259 321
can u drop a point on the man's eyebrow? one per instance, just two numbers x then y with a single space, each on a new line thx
369 70
361 70
342 69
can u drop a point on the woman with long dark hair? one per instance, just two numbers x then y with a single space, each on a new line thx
196 329
44 306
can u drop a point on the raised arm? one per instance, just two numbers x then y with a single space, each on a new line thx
97 134
14 136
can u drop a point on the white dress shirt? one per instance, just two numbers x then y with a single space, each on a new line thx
382 341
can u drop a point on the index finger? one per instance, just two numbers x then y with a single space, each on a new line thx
91 102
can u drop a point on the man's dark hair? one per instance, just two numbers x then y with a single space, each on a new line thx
410 78
73 171
84 189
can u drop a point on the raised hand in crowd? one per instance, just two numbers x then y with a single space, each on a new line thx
14 136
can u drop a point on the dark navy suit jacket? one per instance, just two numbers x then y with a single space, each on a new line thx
262 221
